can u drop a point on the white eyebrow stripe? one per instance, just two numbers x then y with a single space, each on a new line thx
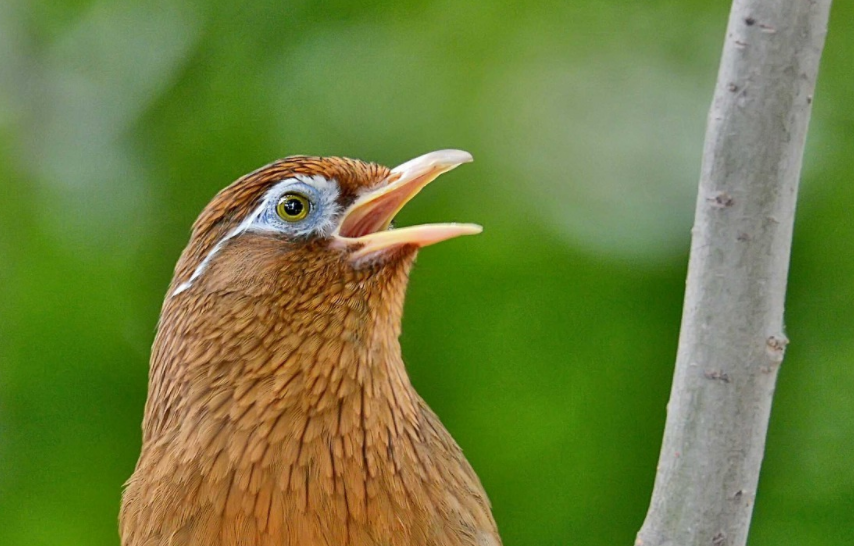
325 186
204 265
216 248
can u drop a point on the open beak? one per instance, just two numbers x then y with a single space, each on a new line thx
365 226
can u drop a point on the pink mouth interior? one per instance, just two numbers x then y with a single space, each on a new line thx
375 215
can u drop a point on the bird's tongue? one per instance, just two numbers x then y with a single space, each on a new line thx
367 221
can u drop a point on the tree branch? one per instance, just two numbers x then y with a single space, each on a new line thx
732 341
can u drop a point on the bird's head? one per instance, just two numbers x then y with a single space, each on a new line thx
304 228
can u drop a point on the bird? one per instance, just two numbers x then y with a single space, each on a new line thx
279 409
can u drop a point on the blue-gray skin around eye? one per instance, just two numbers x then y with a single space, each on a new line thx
322 196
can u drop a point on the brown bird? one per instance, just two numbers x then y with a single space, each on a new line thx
279 410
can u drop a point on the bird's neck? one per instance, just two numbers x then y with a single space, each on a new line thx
320 347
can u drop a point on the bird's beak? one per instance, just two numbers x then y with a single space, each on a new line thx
365 226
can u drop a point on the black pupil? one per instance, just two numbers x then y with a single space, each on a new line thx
293 207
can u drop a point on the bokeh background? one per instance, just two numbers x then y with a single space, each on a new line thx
546 344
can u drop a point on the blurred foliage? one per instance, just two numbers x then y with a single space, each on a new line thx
546 345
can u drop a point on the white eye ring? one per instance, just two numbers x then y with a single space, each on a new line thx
320 208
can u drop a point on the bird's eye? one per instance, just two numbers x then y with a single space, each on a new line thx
293 207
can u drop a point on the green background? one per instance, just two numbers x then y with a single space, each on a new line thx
546 344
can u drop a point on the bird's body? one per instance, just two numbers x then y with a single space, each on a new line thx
279 410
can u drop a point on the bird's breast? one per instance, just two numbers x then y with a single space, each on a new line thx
355 472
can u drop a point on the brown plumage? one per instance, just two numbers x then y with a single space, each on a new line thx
279 410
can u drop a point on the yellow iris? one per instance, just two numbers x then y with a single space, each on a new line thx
293 207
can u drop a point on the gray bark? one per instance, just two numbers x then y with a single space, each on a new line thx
732 342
